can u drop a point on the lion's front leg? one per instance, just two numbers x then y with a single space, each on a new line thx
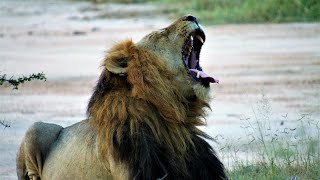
34 164
29 162
35 148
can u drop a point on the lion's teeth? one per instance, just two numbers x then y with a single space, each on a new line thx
191 38
198 74
200 39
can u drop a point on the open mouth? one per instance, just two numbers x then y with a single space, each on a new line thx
191 58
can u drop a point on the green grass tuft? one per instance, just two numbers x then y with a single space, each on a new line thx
253 11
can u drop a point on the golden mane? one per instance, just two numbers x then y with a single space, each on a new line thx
146 97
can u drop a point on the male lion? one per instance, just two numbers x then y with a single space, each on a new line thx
142 117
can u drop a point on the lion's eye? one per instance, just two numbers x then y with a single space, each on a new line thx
123 63
162 30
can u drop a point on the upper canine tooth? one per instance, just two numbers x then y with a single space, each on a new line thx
191 38
200 39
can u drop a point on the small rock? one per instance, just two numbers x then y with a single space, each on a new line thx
94 29
77 33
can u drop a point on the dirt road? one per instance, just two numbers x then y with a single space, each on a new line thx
67 41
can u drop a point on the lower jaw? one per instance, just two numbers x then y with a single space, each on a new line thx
199 82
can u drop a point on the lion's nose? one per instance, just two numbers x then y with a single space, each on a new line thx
191 18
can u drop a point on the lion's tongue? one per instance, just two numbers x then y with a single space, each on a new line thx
197 73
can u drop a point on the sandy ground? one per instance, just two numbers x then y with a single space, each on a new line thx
67 41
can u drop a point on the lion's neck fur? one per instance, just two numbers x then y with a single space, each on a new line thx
147 119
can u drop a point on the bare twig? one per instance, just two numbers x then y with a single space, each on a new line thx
4 124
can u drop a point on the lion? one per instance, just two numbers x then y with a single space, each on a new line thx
143 117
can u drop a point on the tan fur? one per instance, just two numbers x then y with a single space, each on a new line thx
144 83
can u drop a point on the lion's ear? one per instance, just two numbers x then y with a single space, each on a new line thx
117 65
118 57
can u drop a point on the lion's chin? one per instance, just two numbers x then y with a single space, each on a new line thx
201 92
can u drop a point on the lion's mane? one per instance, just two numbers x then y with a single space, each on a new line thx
146 118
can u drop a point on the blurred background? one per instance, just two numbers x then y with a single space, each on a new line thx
266 54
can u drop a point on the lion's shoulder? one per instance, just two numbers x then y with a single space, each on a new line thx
40 136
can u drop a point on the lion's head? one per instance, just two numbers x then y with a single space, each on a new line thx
150 97
178 47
